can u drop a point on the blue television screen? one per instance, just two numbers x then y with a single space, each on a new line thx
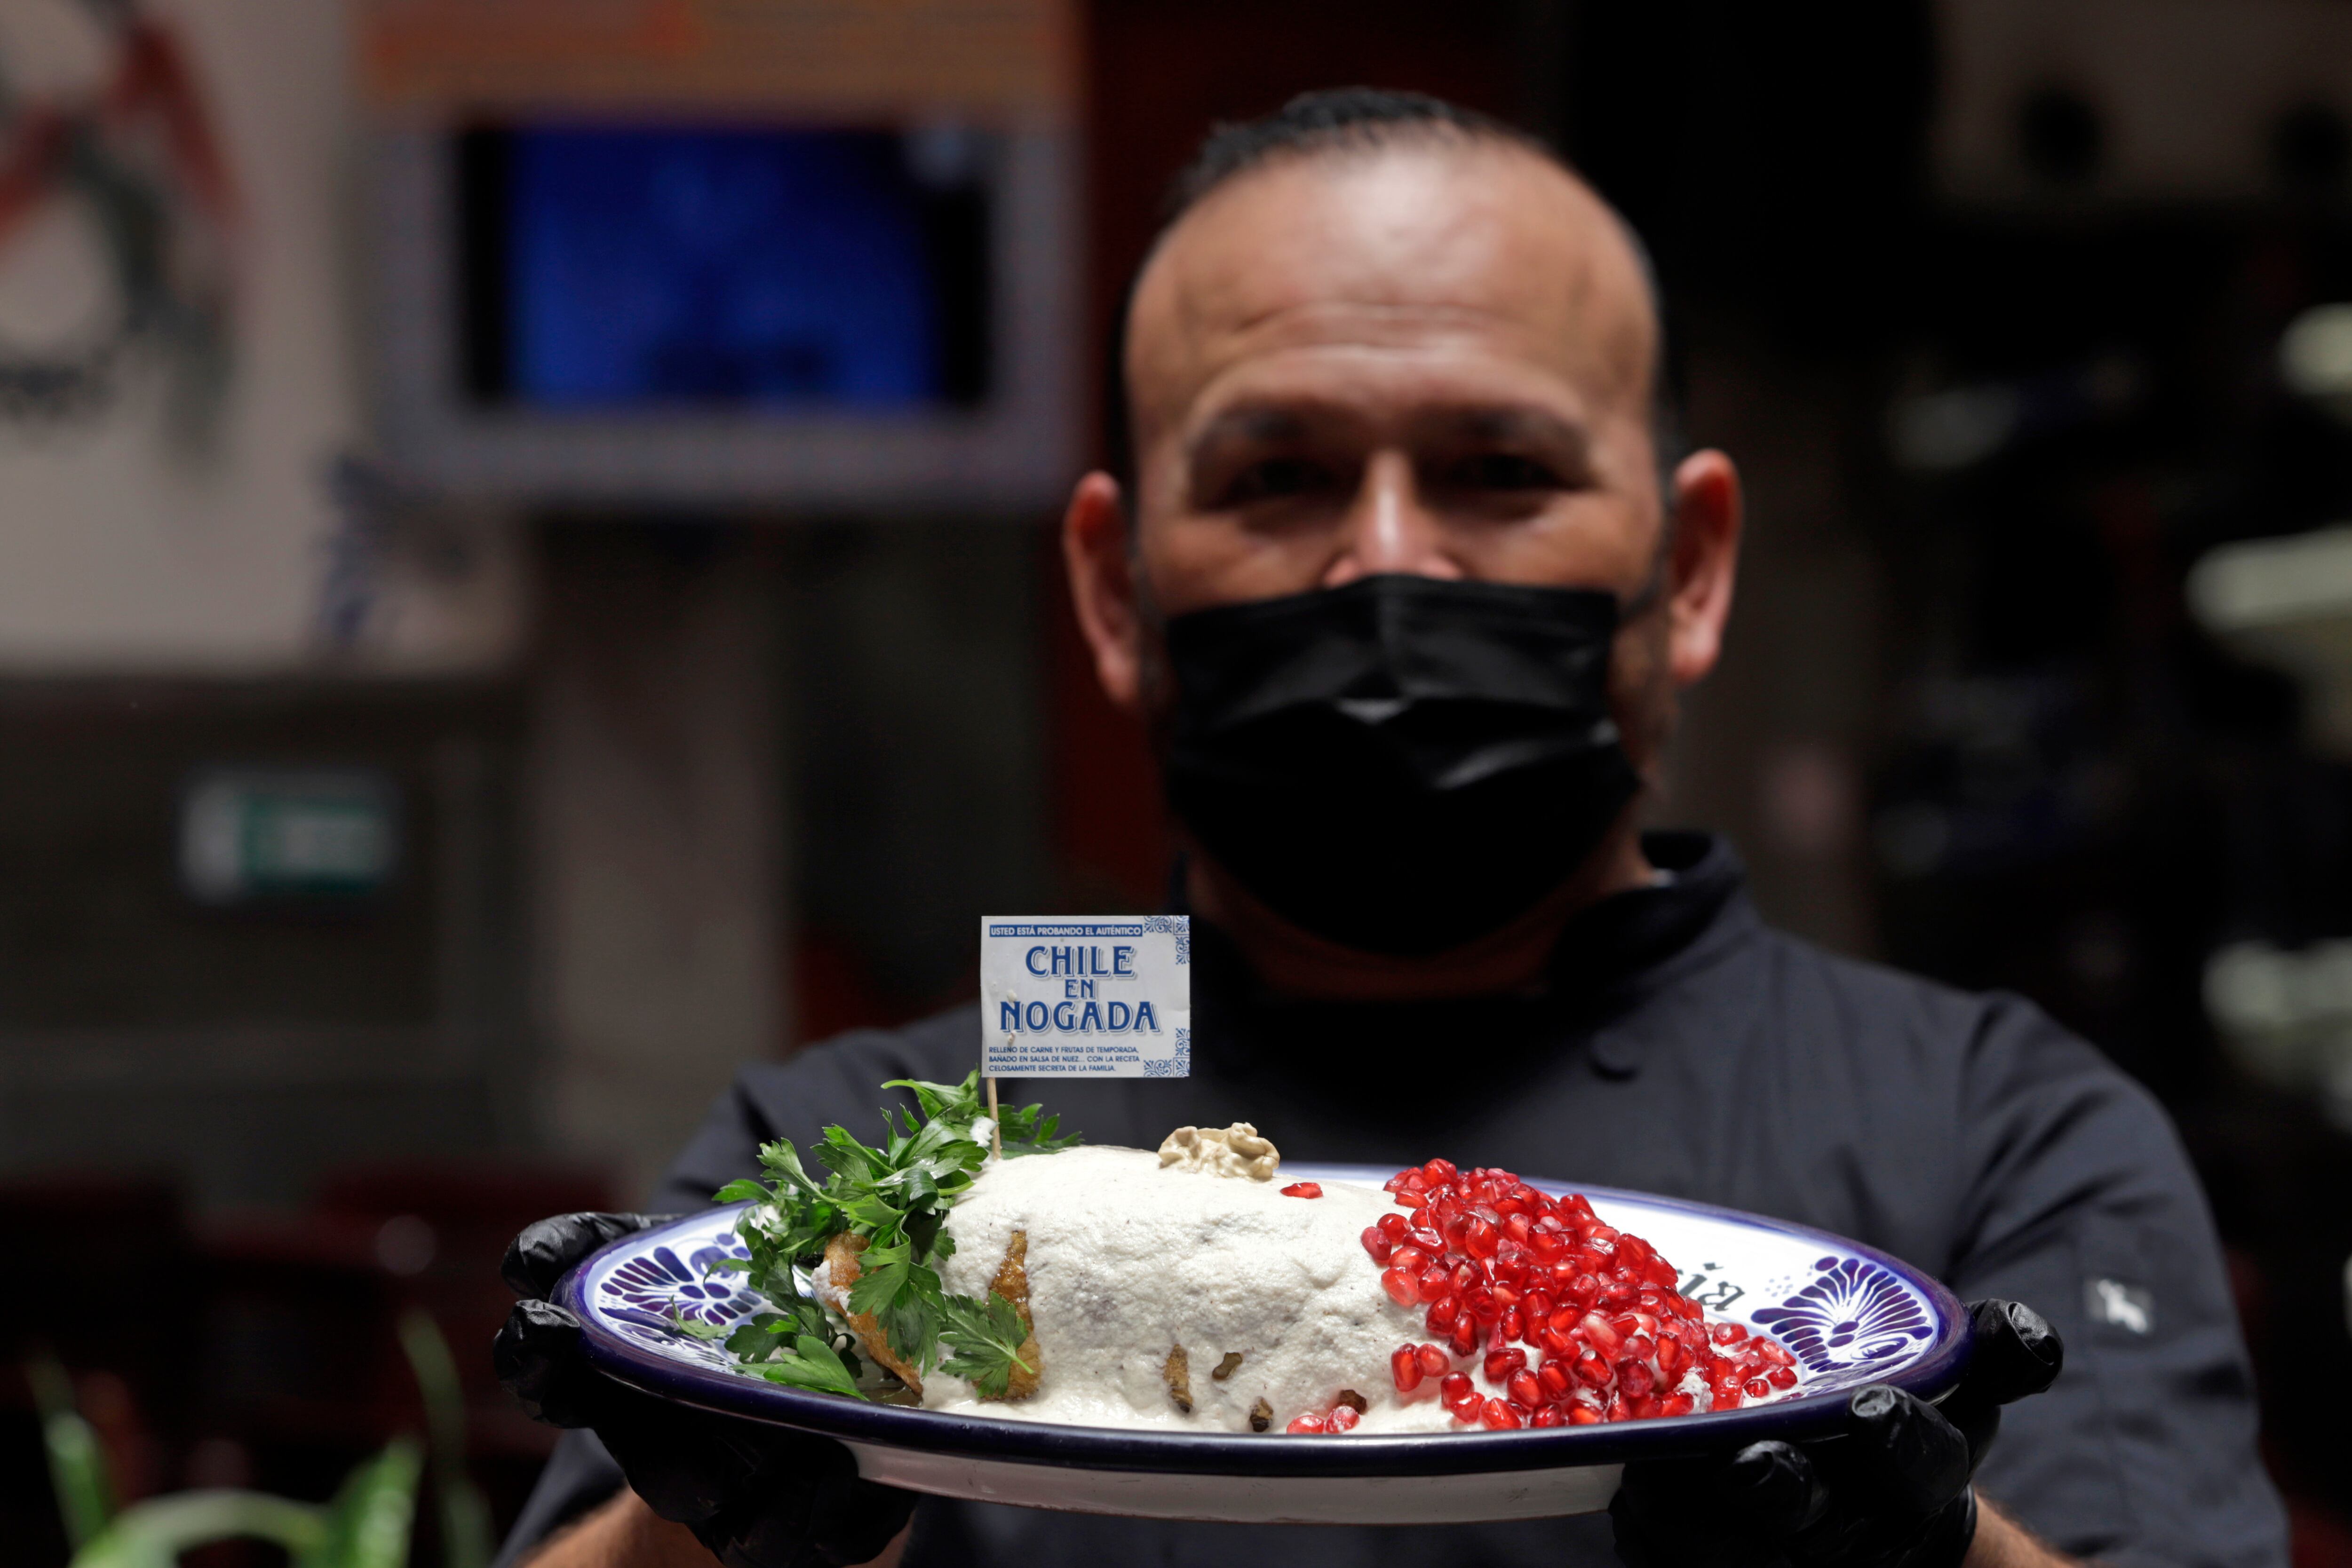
611 266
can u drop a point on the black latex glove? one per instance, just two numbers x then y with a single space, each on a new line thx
757 1496
1890 1491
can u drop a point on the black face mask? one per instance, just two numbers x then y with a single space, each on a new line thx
1403 764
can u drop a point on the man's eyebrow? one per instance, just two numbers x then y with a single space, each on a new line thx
1249 423
1516 423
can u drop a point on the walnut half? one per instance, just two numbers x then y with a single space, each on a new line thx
1235 1151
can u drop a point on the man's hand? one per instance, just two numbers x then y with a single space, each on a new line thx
756 1496
1890 1491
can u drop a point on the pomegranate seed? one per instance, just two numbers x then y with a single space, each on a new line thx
1468 1274
1583 1415
1404 1366
1557 1341
1677 1404
1525 1389
1379 1244
1727 1333
1781 1377
1435 1361
1755 1388
1479 1238
1479 1303
1671 1356
1774 1351
1512 1326
1590 1369
1501 1364
1391 1226
1639 1347
1436 1282
1507 1296
1727 1396
1343 1418
1538 1307
1640 1407
1401 1287
1632 1252
1618 1409
1634 1378
1465 1337
1549 1416
1308 1423
1548 1245
1661 1274
1602 1233
1616 1296
1442 1314
1441 1170
1596 1328
1455 1384
1499 1416
1555 1380
1303 1189
1518 1228
1408 1198
1412 1259
1426 1238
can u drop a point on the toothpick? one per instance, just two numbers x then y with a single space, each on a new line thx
996 1127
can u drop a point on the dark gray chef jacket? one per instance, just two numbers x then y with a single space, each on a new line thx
1680 1046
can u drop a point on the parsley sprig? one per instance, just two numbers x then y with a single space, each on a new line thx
897 1198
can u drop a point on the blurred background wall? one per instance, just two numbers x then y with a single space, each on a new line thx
435 747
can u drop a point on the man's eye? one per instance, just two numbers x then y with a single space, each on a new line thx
1504 471
1277 478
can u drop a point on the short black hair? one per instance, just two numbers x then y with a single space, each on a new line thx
1360 119
1355 119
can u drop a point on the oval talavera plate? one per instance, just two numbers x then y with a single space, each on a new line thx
1851 1316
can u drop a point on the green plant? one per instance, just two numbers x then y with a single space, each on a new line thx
367 1524
78 1472
465 1516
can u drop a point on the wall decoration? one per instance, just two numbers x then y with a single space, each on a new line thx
140 155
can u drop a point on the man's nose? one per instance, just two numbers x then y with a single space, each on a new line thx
1387 528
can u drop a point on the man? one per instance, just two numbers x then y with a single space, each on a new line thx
1406 585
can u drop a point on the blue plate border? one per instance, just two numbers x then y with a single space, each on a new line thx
1930 1377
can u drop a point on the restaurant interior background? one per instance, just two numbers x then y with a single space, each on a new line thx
497 625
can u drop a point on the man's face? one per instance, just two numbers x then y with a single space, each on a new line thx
1428 359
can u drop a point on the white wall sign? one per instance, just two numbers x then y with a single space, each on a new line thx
1086 996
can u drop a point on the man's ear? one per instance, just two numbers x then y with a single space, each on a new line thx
1096 551
1705 562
